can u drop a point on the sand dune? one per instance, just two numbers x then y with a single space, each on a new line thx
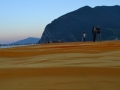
61 66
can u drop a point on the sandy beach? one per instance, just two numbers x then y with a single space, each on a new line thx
61 66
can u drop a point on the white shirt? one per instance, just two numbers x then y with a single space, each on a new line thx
84 35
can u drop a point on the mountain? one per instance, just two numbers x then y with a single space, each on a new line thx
70 26
27 41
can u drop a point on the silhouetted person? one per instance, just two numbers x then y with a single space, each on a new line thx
94 33
98 31
83 37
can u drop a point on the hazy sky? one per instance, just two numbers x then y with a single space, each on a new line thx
20 19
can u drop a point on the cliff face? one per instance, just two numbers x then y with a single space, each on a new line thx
70 26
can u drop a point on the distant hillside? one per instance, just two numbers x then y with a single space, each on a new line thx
70 26
27 40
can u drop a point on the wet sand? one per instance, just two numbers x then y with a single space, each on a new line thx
61 66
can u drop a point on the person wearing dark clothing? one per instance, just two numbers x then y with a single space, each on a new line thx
94 33
98 31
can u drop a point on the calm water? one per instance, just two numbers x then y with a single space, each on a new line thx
12 46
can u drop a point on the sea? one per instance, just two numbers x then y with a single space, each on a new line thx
10 46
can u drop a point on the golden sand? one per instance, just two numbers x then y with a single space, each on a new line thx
61 66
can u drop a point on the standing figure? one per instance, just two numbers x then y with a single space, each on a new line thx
83 37
98 34
94 33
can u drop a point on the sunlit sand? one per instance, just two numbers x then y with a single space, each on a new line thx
61 66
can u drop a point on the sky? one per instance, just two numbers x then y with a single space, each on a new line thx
20 19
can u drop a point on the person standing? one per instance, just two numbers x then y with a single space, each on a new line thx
94 33
98 31
83 37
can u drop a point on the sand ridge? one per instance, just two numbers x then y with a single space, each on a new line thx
61 66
